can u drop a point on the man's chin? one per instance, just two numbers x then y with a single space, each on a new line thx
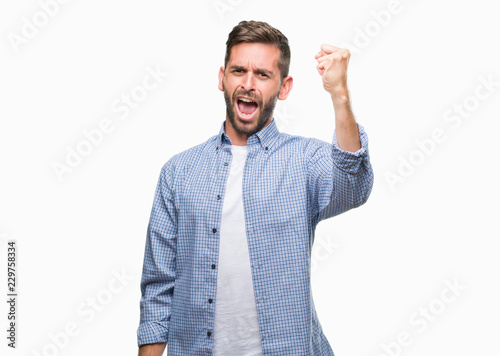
245 126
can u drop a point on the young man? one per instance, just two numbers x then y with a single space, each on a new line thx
227 261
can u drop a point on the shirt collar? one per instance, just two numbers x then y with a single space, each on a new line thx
267 137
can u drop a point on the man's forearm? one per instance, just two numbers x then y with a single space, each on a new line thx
152 349
346 128
332 66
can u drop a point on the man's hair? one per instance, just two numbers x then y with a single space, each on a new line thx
260 32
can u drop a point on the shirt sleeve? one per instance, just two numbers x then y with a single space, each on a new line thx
158 273
339 180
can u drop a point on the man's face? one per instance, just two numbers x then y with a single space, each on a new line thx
251 84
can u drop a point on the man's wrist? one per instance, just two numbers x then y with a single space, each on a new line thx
340 95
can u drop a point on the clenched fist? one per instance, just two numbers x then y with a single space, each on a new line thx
332 66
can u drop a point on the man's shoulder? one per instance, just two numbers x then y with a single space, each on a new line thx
309 146
190 155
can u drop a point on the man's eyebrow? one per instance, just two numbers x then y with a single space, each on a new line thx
264 71
234 67
257 70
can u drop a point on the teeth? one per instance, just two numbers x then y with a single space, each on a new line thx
246 100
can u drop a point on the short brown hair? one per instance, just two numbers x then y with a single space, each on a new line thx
260 32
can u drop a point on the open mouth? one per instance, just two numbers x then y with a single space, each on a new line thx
247 108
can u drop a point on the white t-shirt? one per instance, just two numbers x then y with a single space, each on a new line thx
236 329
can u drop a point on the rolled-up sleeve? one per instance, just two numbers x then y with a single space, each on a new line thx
158 273
339 180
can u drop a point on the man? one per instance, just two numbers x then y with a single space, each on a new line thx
227 261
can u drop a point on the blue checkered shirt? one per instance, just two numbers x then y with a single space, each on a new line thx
290 183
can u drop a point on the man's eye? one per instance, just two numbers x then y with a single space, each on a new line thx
263 74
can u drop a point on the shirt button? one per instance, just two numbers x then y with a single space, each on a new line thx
213 266
214 230
267 148
209 333
210 300
225 163
218 197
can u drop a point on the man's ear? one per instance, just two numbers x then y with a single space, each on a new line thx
221 77
286 87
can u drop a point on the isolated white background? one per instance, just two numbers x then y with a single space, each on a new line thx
375 266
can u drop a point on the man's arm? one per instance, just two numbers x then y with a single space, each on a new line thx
158 272
152 349
340 175
332 66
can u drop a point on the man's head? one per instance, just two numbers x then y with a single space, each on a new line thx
260 32
254 76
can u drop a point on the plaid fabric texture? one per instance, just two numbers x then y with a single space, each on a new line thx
290 184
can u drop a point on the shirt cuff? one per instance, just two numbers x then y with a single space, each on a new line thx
350 161
152 332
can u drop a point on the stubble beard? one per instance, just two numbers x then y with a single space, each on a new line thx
264 114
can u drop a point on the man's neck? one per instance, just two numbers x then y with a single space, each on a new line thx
238 138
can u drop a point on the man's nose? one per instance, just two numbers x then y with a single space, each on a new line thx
248 81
